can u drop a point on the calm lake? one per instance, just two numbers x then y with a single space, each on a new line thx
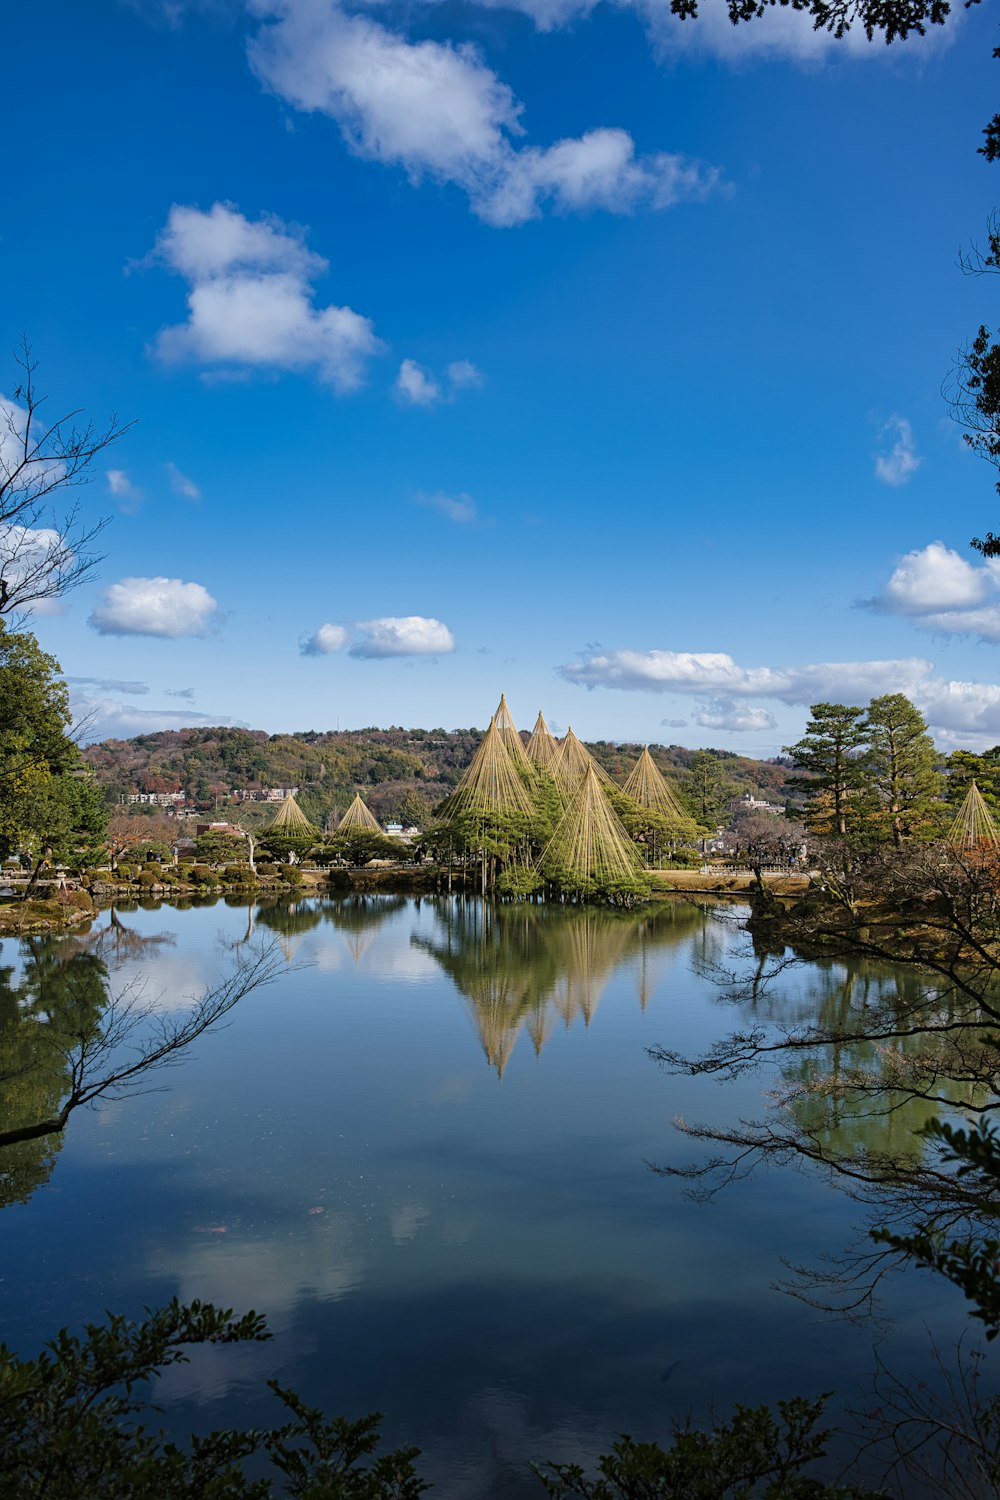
425 1153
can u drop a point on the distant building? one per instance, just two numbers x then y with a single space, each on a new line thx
155 799
253 792
750 803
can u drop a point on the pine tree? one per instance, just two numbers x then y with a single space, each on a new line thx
830 752
901 763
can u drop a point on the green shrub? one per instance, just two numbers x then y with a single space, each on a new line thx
519 882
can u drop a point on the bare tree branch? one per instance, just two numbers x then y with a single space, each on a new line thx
44 554
113 1056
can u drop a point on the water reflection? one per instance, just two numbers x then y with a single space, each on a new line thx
357 916
56 993
118 943
859 1098
527 967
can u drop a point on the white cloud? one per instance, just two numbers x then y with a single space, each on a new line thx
128 495
251 303
596 170
463 375
715 673
953 708
38 472
932 579
941 591
154 606
901 462
779 32
734 714
104 718
983 623
322 642
415 385
26 552
459 508
181 484
436 109
111 685
407 635
418 386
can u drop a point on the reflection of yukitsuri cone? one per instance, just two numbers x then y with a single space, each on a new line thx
974 825
361 911
572 762
646 785
290 818
590 842
507 730
539 1027
497 1018
651 966
541 748
490 782
592 947
359 816
358 944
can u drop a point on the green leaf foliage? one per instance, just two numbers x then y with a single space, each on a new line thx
73 1425
754 1454
970 1262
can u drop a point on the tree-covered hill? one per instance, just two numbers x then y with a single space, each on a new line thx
401 773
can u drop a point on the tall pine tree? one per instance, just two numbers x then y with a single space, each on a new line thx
830 752
901 762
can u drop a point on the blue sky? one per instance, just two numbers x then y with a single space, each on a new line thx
555 348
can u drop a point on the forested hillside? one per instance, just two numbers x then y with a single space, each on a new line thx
401 773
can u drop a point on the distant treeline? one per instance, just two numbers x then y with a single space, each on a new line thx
401 773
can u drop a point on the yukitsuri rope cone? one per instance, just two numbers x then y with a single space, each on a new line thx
359 816
974 826
542 749
646 785
490 782
507 730
590 844
290 818
572 763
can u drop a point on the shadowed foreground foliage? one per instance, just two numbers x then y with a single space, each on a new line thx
73 1425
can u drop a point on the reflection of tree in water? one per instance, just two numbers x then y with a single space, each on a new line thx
117 943
359 916
527 966
864 1054
856 1096
289 920
62 991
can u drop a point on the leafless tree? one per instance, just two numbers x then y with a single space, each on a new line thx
112 1055
862 1056
45 550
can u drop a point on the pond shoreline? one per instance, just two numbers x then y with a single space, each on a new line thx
69 909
